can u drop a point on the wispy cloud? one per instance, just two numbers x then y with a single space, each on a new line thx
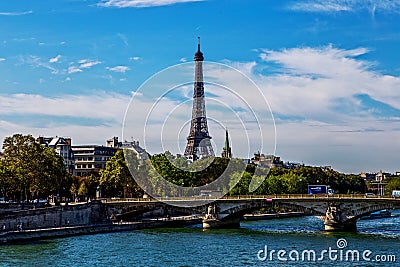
2 59
36 62
83 64
332 90
74 69
330 74
134 58
142 3
55 59
16 13
70 115
123 38
63 105
87 63
388 6
183 60
121 69
321 6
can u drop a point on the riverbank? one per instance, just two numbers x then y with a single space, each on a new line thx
57 232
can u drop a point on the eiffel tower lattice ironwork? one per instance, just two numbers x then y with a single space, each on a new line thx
198 142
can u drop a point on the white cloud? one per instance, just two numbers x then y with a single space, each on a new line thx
319 6
319 120
134 58
65 105
87 63
183 60
389 6
74 69
321 76
83 64
121 69
2 59
142 3
16 13
55 59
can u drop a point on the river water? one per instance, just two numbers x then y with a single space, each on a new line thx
298 238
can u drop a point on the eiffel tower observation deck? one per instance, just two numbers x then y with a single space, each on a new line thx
198 142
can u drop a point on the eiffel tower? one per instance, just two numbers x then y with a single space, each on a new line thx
198 142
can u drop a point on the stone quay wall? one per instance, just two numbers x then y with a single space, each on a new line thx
55 216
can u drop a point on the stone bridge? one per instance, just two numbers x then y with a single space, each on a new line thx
338 212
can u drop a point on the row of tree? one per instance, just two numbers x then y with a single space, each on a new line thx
29 170
274 181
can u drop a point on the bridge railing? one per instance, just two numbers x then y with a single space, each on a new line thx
306 196
245 197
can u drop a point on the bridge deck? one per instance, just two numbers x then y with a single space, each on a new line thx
299 197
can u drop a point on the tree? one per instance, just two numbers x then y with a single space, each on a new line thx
32 169
116 179
83 191
6 185
394 184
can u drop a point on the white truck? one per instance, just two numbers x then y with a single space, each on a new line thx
396 193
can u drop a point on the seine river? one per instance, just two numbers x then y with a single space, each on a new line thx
297 238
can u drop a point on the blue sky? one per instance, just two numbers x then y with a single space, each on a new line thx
328 69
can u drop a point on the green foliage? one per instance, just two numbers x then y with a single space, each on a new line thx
30 170
179 172
116 179
83 191
394 184
295 181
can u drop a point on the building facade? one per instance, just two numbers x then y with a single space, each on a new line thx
133 145
91 158
62 146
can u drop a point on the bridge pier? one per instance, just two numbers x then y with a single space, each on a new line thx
335 220
349 226
214 223
215 220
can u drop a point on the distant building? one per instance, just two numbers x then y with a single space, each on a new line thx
292 165
266 161
83 160
91 158
226 151
375 177
133 145
62 146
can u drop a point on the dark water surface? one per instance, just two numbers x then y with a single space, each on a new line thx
239 247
